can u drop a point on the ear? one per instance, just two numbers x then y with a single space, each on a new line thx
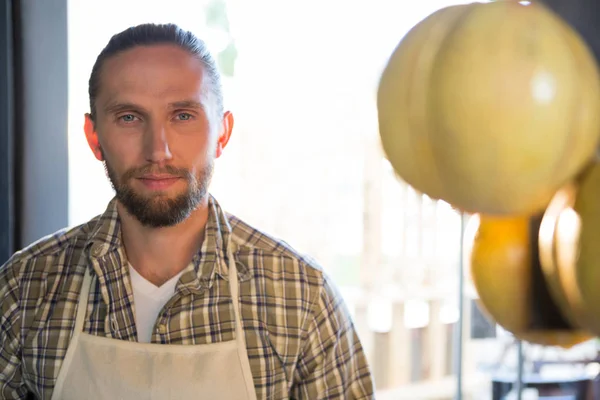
92 137
225 134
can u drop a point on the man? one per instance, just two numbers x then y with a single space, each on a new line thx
165 296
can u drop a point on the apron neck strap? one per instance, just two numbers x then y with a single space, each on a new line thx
234 288
83 302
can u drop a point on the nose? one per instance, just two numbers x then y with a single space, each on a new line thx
157 143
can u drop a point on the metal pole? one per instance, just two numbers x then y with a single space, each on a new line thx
459 332
520 362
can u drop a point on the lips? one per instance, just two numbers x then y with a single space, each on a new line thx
158 177
158 182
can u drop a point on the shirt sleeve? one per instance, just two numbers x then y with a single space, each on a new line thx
332 364
11 381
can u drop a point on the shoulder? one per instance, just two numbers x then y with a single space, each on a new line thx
45 255
298 282
279 266
276 255
287 282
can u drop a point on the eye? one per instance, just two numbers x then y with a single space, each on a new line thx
184 116
128 118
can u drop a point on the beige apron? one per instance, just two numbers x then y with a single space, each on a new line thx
103 368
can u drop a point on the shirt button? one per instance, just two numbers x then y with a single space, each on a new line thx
162 329
113 324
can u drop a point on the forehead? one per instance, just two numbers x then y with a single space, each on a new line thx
158 73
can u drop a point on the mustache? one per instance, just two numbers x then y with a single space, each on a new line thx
139 172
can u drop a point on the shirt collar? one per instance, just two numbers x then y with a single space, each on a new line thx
211 260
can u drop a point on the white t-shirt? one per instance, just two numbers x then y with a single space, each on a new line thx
148 300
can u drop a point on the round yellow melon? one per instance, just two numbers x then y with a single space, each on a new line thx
547 252
491 107
500 269
575 243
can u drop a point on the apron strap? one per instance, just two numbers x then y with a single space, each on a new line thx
239 331
82 303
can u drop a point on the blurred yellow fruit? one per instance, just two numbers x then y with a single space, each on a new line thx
491 107
571 232
500 269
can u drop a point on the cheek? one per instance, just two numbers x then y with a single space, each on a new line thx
194 161
121 147
119 158
193 149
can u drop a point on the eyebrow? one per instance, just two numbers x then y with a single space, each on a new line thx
116 107
119 107
186 104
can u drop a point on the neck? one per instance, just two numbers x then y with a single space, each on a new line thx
158 254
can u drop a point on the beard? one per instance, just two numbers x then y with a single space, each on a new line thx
158 210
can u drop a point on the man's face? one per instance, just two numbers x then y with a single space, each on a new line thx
157 131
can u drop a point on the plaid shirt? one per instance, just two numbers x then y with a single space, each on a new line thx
301 341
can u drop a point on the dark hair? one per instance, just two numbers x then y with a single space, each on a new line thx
153 34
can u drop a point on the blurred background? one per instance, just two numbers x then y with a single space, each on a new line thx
304 164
